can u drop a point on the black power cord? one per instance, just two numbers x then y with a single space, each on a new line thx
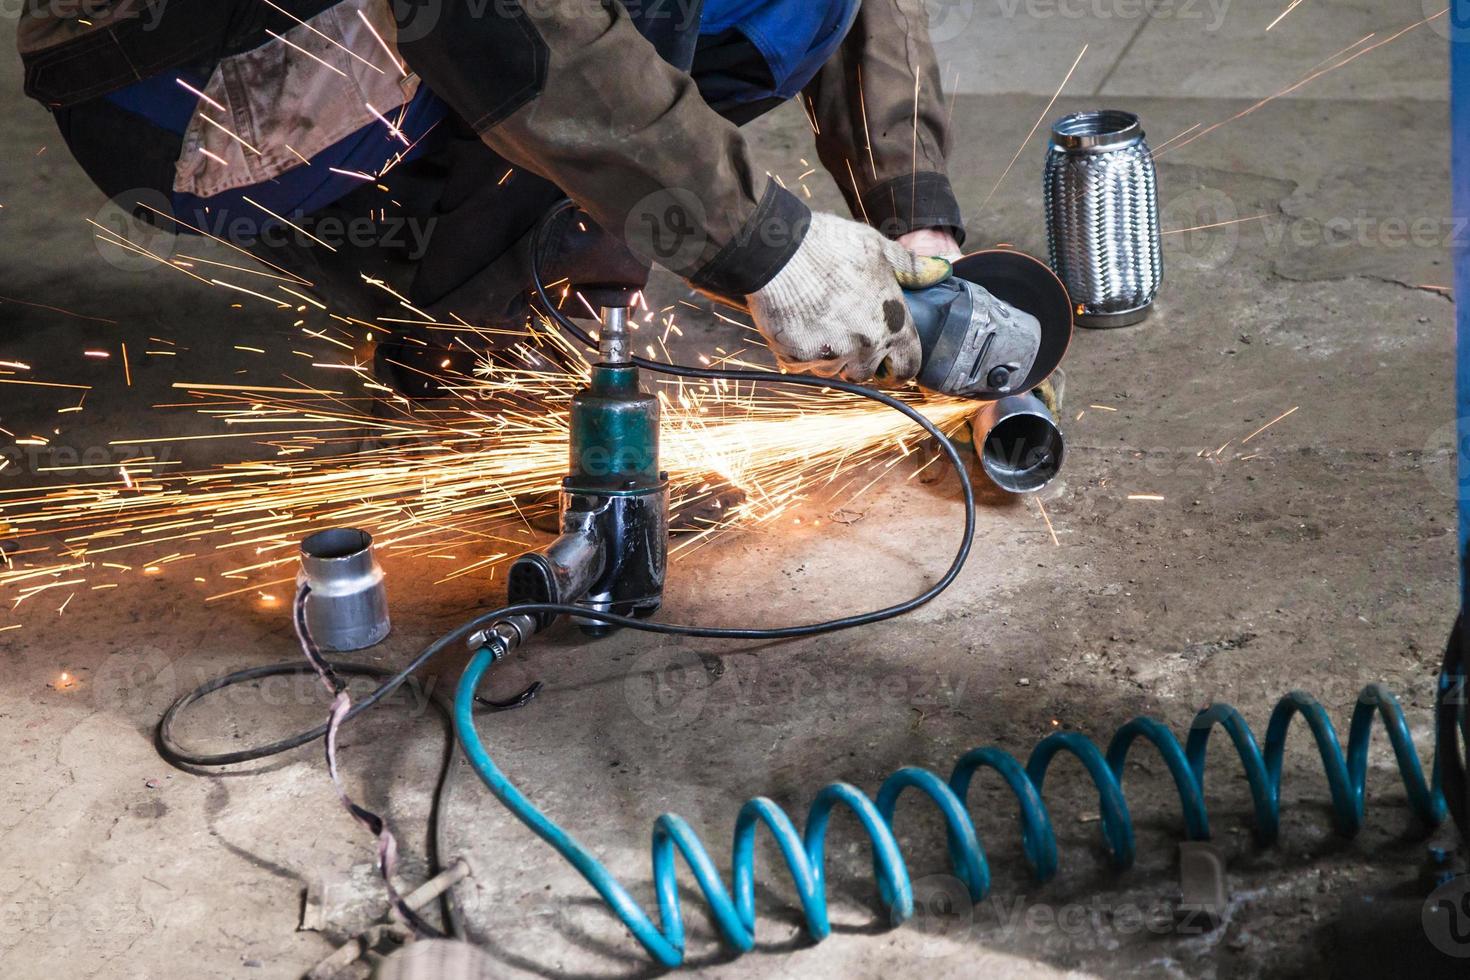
169 748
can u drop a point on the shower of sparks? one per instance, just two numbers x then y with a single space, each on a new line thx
457 482
1035 126
1290 411
1310 77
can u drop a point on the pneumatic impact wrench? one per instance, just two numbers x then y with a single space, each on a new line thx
612 553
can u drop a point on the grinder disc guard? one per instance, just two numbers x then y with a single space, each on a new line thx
1029 285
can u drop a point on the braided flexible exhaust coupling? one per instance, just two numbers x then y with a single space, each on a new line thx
1102 216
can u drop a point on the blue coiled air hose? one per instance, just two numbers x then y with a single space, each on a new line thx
733 908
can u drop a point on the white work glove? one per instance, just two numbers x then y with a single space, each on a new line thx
837 307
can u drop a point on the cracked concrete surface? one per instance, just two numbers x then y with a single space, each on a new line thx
1318 555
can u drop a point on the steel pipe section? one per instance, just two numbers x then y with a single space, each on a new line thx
347 608
1018 443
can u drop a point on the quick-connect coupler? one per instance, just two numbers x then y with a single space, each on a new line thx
504 636
612 554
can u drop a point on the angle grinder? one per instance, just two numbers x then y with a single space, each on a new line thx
999 327
992 333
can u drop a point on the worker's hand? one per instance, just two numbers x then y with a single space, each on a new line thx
932 241
837 307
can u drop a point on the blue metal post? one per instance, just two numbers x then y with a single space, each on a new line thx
1454 723
1458 19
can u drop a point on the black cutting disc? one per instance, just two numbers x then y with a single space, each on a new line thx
1028 284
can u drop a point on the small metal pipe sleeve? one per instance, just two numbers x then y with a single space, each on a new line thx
348 605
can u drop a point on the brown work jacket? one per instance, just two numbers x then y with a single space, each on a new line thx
585 103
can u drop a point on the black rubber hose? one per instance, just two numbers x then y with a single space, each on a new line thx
176 755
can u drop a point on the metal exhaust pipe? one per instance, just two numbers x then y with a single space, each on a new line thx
348 605
1019 444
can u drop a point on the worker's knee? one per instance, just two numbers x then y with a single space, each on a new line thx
486 58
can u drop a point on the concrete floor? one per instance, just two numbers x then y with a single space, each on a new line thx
1320 556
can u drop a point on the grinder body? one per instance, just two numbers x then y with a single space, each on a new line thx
974 345
999 327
